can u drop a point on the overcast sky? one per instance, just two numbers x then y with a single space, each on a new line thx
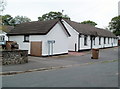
100 11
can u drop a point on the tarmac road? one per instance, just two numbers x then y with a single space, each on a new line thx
91 75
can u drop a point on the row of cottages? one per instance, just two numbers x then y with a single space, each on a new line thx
85 37
58 36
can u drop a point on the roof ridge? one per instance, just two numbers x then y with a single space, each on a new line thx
38 21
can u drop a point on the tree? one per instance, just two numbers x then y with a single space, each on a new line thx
89 22
116 32
114 25
6 19
52 15
21 19
9 20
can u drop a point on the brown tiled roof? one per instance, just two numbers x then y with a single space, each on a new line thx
36 27
105 33
87 29
43 27
6 29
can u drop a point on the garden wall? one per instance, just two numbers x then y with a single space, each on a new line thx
14 57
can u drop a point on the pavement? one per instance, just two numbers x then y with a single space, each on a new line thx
55 62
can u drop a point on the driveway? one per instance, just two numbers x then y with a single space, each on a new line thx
63 60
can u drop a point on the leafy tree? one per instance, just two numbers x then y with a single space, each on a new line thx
9 20
89 22
52 15
116 32
115 25
6 19
21 19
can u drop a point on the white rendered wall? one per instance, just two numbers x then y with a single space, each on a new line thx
61 39
19 40
115 42
102 43
112 42
73 39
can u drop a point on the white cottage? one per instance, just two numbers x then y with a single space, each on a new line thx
86 37
41 38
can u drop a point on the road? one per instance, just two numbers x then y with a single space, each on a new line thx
91 75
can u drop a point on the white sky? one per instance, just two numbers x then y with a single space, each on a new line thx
100 11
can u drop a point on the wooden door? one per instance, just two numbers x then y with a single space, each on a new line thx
36 49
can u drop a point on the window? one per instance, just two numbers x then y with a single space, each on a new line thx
108 40
99 40
2 38
26 38
85 40
104 40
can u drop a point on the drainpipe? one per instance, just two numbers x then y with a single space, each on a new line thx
91 38
8 38
51 48
79 41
